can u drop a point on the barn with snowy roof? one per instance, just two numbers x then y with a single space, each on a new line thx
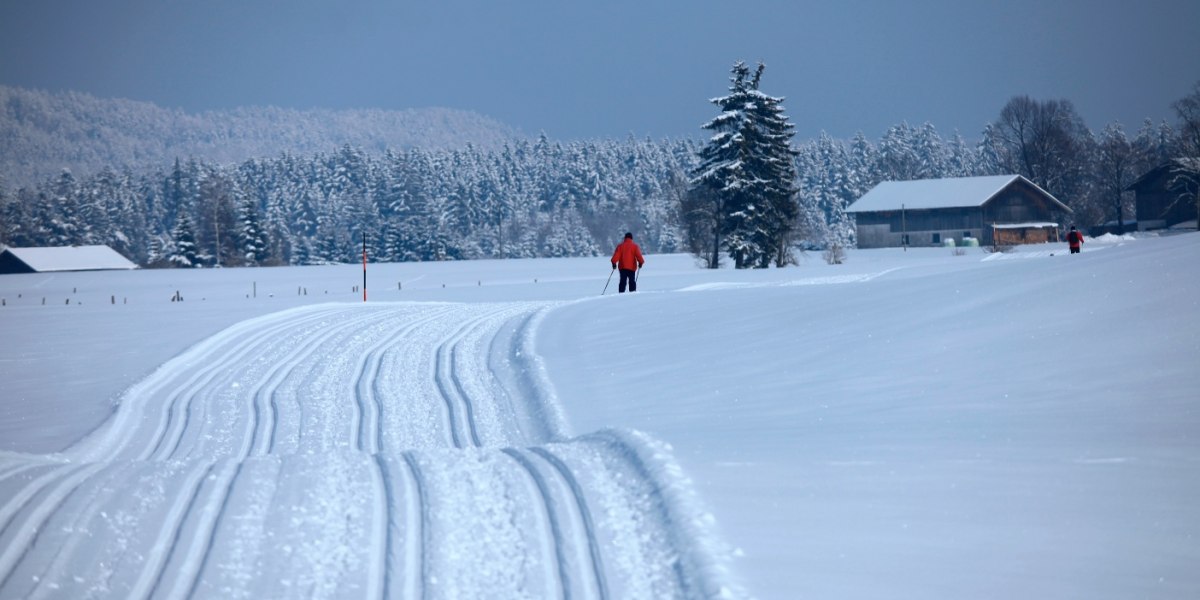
994 210
63 258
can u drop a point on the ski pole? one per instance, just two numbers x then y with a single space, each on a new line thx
609 281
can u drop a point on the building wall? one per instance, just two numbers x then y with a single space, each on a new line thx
931 227
1025 235
881 236
11 264
1157 207
1018 204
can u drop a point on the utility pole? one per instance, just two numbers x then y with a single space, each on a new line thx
903 229
217 226
364 238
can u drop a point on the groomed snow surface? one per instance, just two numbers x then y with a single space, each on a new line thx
917 424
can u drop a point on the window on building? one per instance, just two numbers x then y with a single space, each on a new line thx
937 238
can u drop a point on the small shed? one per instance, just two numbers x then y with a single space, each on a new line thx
1001 209
1162 196
62 258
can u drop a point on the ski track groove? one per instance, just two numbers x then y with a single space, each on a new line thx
368 396
171 426
96 501
441 376
264 394
170 534
211 529
353 346
17 470
585 515
32 527
291 361
14 505
417 544
449 380
624 452
381 576
557 538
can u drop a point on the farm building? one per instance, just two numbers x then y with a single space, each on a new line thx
1002 209
64 258
1165 197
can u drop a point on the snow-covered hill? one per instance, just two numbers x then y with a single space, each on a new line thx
48 132
906 425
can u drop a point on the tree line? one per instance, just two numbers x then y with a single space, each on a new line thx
750 193
527 199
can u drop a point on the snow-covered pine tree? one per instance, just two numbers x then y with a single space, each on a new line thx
185 252
930 152
827 188
1154 144
747 176
776 208
252 239
898 157
987 153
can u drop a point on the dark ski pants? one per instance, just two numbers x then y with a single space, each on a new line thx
630 277
1074 249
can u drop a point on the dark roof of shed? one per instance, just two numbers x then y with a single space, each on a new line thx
1185 164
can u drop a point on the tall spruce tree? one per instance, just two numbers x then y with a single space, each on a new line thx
252 239
185 253
743 191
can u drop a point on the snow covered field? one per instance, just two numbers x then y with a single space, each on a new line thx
906 425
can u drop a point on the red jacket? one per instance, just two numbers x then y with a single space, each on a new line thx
1074 239
628 256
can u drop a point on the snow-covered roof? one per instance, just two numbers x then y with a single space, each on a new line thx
1038 225
956 192
71 258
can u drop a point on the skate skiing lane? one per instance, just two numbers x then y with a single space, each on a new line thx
386 450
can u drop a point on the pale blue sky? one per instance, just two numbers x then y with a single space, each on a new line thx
610 68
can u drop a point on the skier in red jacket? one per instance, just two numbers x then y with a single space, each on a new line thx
628 257
1074 239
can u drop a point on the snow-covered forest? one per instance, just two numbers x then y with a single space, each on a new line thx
538 198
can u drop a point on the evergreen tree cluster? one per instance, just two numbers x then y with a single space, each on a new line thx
528 199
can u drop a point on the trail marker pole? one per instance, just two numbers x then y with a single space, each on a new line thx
364 235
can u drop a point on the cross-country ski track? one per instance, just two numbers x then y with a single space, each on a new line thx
383 450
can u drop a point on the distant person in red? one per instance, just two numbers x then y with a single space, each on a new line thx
628 257
1074 239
